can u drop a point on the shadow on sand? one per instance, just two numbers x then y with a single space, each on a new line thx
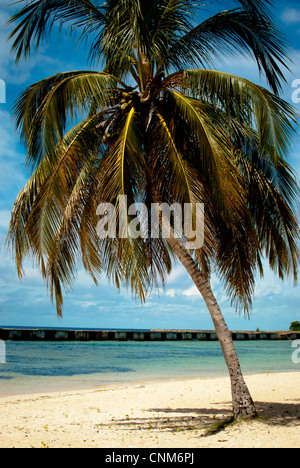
206 422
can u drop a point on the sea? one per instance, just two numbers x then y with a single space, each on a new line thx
41 367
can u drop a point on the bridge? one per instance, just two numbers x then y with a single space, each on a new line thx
40 334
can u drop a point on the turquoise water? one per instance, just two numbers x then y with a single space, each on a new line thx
33 367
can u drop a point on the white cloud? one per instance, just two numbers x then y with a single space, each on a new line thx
191 292
23 72
170 293
4 219
266 288
85 304
12 174
272 286
10 72
290 16
177 273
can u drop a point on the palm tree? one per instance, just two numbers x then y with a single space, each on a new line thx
158 125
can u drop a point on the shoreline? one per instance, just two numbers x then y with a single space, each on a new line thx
137 383
159 414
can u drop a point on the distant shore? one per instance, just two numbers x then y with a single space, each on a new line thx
170 414
61 334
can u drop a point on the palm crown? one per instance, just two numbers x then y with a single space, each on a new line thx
157 124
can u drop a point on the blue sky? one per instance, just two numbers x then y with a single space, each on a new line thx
27 303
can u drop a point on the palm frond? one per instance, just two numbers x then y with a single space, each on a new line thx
237 259
260 8
214 149
273 118
37 18
47 108
141 32
64 251
268 228
273 195
46 214
122 168
230 32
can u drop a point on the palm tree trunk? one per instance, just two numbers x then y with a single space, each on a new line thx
242 402
243 406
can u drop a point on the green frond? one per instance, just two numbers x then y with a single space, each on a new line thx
273 118
237 260
37 18
242 30
64 252
269 228
122 158
215 152
274 195
45 216
45 109
260 8
149 28
168 154
121 173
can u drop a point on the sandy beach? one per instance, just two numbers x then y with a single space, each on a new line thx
172 414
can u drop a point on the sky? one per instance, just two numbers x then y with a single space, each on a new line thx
27 303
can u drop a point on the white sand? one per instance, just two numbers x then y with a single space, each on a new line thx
173 414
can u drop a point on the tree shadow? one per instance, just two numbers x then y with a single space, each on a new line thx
280 414
175 420
208 421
